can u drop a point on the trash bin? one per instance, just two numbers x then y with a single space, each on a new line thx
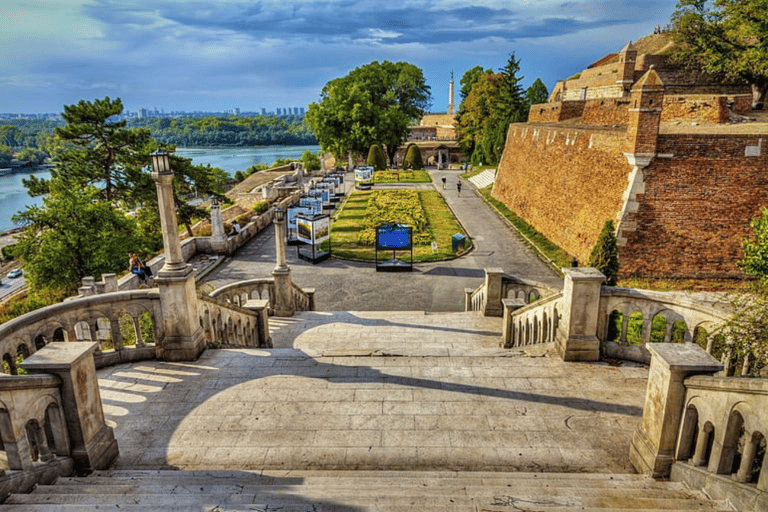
457 242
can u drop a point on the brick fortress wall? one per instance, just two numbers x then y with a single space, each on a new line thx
700 193
564 182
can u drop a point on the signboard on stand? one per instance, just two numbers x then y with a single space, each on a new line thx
290 222
314 233
364 177
396 238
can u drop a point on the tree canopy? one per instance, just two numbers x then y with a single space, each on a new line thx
373 104
605 254
537 93
724 36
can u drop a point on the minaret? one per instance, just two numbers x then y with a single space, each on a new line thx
451 106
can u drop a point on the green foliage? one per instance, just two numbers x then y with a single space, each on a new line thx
755 261
239 130
402 176
6 155
73 235
605 254
724 36
413 158
311 160
32 155
537 93
373 104
261 207
475 113
376 158
239 176
469 79
9 252
401 206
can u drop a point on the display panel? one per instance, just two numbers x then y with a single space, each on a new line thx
394 236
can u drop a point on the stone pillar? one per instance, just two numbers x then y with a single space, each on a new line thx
493 282
283 305
259 306
93 444
576 338
182 338
218 236
653 443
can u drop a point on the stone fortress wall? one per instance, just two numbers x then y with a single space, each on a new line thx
680 201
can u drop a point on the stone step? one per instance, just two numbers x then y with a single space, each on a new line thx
357 491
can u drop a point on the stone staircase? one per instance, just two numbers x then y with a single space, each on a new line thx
485 178
370 411
358 491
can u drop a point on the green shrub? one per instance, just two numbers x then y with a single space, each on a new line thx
261 207
239 176
9 252
244 219
376 158
605 254
311 160
413 158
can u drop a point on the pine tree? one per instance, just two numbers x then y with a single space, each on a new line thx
605 254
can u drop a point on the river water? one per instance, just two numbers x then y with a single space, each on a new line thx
14 197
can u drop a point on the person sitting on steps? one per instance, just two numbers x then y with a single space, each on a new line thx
136 266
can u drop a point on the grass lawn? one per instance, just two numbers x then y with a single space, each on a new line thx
401 176
353 231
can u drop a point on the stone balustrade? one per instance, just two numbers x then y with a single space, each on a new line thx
227 324
704 430
689 319
531 324
497 286
264 288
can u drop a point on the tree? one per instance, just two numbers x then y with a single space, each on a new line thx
373 104
311 160
413 158
755 261
102 152
376 158
605 254
475 113
469 79
511 107
537 93
724 36
6 155
73 235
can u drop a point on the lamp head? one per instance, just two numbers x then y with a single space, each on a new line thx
160 162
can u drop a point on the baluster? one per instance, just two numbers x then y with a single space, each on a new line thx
137 330
117 336
744 474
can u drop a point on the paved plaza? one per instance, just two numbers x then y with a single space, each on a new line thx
362 390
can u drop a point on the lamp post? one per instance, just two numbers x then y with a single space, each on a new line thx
182 338
283 305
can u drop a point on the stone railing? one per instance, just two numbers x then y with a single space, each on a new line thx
93 318
264 289
677 309
708 432
497 286
229 325
51 421
532 324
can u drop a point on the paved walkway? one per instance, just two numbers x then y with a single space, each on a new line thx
346 285
326 403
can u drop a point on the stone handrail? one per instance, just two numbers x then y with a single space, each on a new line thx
712 454
673 306
497 286
92 318
228 325
531 324
704 430
264 289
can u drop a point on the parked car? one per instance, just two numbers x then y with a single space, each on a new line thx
15 273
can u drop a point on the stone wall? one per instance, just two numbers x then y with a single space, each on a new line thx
555 111
608 111
438 120
564 182
700 193
707 109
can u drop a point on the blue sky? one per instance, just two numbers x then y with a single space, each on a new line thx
216 55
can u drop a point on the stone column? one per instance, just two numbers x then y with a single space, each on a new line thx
93 444
218 236
576 339
182 338
653 443
493 282
283 305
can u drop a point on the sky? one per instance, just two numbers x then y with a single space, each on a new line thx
216 55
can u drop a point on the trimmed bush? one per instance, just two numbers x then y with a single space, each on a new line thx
376 158
413 158
605 254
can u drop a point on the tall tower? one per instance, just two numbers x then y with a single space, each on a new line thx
451 106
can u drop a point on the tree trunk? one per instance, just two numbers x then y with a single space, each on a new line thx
189 230
758 91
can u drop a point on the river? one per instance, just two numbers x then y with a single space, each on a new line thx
14 197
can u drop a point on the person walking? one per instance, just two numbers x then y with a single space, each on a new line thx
444 180
458 187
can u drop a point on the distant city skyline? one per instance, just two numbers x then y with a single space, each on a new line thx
224 54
